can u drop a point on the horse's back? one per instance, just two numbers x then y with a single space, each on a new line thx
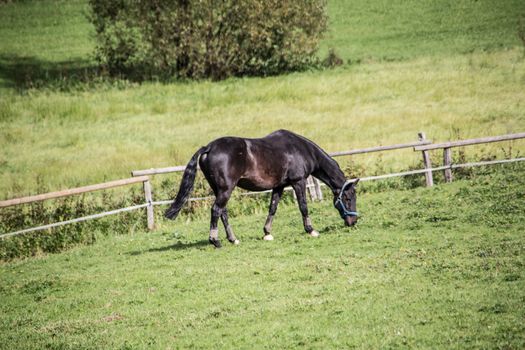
278 142
279 158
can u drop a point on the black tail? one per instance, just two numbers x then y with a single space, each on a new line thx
186 186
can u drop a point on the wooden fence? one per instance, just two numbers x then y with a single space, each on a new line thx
145 180
447 153
314 186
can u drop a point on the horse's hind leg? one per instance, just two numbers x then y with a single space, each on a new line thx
229 231
300 191
276 196
217 210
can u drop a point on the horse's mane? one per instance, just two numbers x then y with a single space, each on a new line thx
323 156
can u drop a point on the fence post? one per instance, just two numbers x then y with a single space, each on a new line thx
311 188
317 187
427 162
149 201
447 161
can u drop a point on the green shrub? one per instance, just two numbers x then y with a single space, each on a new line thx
206 39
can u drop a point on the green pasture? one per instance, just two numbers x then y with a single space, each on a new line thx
439 267
397 29
429 268
454 69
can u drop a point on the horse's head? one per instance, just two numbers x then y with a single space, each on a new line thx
345 202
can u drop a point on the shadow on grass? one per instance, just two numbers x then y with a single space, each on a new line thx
177 246
23 73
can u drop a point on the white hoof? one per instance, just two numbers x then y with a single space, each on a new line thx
268 238
236 242
314 233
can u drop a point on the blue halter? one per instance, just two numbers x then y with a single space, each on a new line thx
340 205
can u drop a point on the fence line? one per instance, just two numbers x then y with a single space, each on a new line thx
423 145
470 142
79 190
444 167
72 221
447 152
381 148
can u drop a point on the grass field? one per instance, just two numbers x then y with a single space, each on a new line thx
413 75
438 267
398 30
425 268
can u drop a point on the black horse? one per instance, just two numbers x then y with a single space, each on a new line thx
273 162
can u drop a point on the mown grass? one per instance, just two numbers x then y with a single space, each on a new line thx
44 43
397 30
61 124
434 267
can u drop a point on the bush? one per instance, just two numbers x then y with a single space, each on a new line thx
206 39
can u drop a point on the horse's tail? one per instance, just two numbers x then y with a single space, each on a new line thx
186 186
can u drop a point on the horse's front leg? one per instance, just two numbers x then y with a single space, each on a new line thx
276 197
300 192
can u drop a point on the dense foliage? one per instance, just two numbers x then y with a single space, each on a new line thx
206 39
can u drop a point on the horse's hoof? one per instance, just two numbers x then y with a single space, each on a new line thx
215 242
268 237
314 233
234 241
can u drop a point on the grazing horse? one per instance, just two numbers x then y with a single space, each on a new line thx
280 159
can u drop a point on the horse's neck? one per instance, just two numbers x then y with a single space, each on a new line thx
329 172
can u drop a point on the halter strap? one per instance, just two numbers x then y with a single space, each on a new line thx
340 205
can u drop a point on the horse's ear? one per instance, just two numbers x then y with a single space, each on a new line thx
356 181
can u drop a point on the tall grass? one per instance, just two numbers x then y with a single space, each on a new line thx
87 137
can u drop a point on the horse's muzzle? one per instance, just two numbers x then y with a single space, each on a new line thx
350 220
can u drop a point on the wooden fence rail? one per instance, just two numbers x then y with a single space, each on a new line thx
145 180
142 176
469 142
72 191
421 142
